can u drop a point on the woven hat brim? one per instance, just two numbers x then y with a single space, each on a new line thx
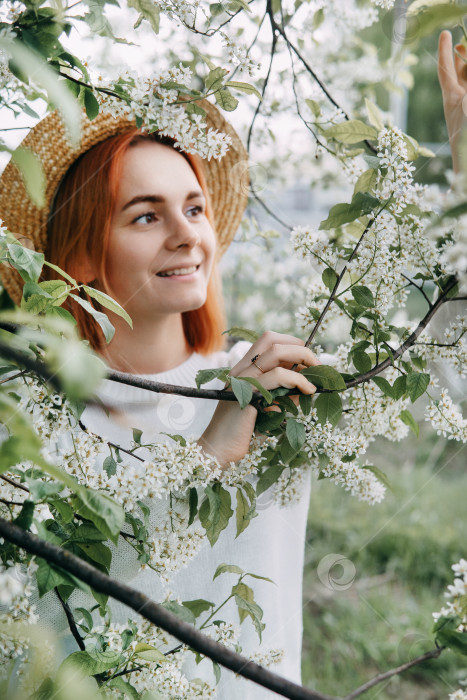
227 180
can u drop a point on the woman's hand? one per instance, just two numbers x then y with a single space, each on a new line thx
452 73
228 435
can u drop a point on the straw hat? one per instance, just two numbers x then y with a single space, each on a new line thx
227 180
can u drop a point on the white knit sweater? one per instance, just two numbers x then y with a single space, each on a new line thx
271 546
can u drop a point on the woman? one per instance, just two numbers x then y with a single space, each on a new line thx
132 216
160 265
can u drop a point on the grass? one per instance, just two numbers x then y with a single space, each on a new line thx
402 551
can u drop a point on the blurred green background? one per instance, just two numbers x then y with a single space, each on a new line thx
402 551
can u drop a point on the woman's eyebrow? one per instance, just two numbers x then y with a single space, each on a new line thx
157 198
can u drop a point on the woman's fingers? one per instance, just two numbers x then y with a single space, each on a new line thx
446 69
283 355
460 65
279 376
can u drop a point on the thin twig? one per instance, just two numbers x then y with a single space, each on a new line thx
420 289
263 91
14 483
11 503
433 654
71 621
340 276
155 613
407 344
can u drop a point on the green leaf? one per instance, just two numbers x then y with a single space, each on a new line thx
424 18
417 383
91 104
98 316
363 296
314 106
180 611
26 261
215 511
150 653
48 576
457 641
32 172
193 503
107 515
123 687
110 466
206 375
226 100
305 401
243 509
362 361
246 605
329 278
91 663
407 418
324 377
108 303
400 386
29 63
227 569
243 333
149 11
244 87
351 131
329 408
362 203
384 386
381 476
268 478
374 115
137 435
257 384
61 272
215 78
198 606
25 518
366 181
296 434
87 617
242 390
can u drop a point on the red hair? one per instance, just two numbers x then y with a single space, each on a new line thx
79 230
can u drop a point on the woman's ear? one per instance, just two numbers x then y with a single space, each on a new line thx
86 272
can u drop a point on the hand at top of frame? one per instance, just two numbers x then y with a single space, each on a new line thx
452 73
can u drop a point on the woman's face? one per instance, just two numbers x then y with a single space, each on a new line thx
162 245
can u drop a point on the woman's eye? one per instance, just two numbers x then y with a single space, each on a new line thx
195 210
146 218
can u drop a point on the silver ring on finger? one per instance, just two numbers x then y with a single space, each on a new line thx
253 361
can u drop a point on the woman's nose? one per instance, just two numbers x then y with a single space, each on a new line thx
182 233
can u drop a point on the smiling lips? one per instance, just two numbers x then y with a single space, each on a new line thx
179 271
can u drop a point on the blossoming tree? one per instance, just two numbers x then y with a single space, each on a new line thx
61 519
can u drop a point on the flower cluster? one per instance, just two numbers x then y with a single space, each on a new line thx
333 454
446 418
15 591
160 109
455 595
238 55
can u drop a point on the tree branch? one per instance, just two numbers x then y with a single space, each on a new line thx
71 621
155 613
